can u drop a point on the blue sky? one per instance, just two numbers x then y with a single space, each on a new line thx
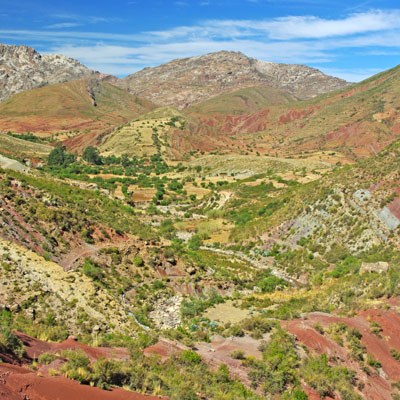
352 40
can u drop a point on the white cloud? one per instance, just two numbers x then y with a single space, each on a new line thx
314 27
63 25
292 39
291 27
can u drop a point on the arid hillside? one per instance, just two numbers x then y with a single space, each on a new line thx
357 121
65 110
184 82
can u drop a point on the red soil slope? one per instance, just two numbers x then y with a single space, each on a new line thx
377 385
18 383
34 348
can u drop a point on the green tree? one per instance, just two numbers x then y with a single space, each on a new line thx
91 155
125 162
60 157
8 341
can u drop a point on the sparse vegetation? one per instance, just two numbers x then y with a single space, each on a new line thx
150 240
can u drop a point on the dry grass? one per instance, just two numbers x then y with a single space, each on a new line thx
227 312
136 138
22 148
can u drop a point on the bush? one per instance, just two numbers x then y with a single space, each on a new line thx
395 354
109 372
195 306
158 285
92 270
327 380
77 366
60 157
92 156
46 358
190 357
238 354
258 326
138 261
9 343
195 242
271 283
277 372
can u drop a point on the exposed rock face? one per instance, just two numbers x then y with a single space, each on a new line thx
188 81
380 267
23 68
166 314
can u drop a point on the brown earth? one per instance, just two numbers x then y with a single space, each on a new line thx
19 383
345 122
377 385
164 348
35 347
184 82
90 107
219 351
394 207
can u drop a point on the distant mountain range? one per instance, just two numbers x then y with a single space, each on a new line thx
184 82
236 219
225 102
179 83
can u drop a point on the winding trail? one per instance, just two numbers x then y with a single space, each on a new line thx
264 263
77 253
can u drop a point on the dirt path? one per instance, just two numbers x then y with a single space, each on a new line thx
264 263
77 253
219 351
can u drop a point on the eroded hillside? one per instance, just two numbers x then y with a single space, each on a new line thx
184 82
251 240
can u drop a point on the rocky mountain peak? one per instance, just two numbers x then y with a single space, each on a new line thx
23 68
187 81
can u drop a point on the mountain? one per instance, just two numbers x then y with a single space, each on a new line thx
245 247
23 68
358 121
184 82
354 122
243 101
88 106
147 135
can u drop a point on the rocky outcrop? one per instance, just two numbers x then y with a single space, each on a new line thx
166 313
188 81
381 267
23 68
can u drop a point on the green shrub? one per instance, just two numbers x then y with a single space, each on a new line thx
92 156
271 283
47 358
109 372
60 157
328 380
190 357
9 343
92 270
138 261
395 354
238 354
276 373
